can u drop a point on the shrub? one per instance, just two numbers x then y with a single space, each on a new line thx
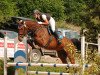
10 70
1 67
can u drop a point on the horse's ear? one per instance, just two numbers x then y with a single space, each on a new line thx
20 21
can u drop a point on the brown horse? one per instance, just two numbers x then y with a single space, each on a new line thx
43 39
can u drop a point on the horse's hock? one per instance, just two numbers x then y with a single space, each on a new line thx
70 49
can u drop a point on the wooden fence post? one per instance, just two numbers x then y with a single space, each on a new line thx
98 43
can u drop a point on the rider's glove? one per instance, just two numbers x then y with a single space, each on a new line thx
39 22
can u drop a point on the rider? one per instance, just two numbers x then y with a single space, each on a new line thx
45 19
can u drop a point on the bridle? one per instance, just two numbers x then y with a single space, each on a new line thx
22 26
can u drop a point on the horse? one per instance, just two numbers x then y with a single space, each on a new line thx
44 39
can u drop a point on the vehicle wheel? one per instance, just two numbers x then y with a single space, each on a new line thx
35 55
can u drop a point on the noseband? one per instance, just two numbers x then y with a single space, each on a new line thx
22 27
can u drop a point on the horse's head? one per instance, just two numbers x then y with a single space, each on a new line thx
22 30
27 25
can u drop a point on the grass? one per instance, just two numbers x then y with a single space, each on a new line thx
53 69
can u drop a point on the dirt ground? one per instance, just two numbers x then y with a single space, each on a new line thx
50 59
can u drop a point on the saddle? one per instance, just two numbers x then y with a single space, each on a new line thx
57 34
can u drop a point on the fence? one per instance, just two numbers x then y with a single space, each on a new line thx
46 64
84 43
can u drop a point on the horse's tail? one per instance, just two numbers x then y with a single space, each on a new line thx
77 43
70 50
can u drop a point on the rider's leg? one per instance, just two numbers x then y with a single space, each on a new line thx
52 25
57 37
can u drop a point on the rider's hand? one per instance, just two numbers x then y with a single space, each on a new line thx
39 22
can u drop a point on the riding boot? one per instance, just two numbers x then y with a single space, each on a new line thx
57 37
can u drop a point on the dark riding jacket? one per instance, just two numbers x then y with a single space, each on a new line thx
41 19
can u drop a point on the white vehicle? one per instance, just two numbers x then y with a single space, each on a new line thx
11 36
69 33
35 55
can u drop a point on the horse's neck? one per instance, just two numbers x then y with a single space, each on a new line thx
31 25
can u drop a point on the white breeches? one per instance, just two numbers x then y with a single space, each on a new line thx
52 24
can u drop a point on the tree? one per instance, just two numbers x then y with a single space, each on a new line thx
7 9
74 9
53 7
92 19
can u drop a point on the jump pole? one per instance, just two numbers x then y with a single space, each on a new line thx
83 52
98 43
48 73
43 64
26 49
15 48
5 54
83 48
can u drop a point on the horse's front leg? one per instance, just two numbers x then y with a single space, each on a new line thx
30 42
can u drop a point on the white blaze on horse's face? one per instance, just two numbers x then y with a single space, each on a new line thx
24 24
21 29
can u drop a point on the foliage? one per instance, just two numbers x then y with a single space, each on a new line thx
10 70
74 9
84 13
93 59
92 19
53 7
1 67
7 9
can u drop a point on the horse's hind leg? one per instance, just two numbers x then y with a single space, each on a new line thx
62 55
70 50
71 57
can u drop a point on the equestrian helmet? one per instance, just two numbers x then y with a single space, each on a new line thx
36 11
